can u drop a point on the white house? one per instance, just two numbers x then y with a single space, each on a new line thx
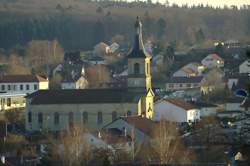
234 104
206 109
190 70
175 110
78 83
114 47
13 88
245 67
183 83
101 49
212 61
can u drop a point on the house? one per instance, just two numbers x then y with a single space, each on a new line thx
234 104
232 43
238 81
245 67
101 49
97 60
134 126
13 89
189 70
229 114
206 109
74 83
176 110
20 161
184 83
212 61
114 47
57 110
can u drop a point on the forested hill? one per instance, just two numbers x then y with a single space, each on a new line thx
80 24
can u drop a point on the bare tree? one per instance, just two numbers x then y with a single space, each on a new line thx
97 75
72 148
168 145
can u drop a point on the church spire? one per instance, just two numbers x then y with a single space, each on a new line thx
138 49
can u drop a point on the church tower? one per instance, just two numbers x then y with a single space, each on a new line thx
139 76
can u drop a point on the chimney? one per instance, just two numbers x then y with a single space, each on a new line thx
3 159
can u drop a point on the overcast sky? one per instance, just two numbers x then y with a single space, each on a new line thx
215 3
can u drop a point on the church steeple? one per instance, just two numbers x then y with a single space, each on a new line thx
138 49
139 75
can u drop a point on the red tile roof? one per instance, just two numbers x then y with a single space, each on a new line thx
143 124
180 103
21 78
215 56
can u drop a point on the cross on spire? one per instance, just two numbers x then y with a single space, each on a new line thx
138 49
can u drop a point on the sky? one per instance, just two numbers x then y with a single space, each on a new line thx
215 3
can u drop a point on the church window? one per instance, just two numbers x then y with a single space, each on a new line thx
29 117
85 117
40 118
99 118
71 119
136 68
114 115
3 87
8 102
56 118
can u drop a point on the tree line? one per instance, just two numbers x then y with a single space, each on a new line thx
80 30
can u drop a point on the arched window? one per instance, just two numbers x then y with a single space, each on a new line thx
129 113
56 118
99 118
71 119
114 115
40 118
85 117
136 68
30 117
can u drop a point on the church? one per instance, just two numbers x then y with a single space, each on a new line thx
58 110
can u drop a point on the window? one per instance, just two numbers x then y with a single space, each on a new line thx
40 118
35 86
129 113
188 85
171 85
99 118
114 115
56 118
180 85
136 68
14 87
29 117
71 119
8 102
85 117
21 87
9 88
3 87
27 87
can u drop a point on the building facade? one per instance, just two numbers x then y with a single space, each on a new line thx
175 110
60 110
13 89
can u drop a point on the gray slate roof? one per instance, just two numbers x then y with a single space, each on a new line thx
81 96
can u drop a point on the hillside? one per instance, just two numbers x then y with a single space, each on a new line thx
79 24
